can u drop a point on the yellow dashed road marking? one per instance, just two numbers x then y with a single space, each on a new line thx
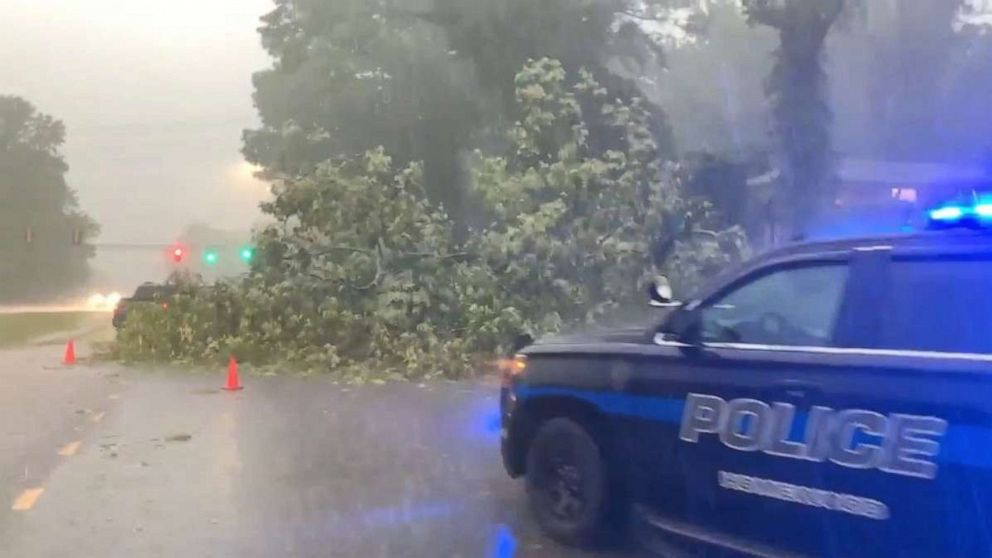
27 499
69 449
96 417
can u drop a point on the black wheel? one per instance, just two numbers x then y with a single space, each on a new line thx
567 482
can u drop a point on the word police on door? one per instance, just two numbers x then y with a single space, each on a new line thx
896 443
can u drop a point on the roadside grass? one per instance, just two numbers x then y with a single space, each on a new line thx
22 328
101 332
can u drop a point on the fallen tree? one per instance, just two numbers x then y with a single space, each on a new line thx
361 275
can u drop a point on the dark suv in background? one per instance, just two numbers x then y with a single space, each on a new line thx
147 293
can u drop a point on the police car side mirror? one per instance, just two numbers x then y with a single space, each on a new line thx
692 331
684 326
660 293
522 341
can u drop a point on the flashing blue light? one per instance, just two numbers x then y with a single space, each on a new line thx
984 210
503 544
484 424
948 213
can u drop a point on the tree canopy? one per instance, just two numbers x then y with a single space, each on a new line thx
426 80
43 232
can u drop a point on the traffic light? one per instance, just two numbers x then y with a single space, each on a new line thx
178 254
211 257
247 254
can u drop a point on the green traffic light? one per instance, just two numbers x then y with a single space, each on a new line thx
210 257
247 254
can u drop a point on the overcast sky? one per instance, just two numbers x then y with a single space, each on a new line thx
154 95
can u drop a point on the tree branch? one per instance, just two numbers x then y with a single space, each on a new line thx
832 12
763 12
331 249
373 283
637 16
378 270
451 256
436 17
704 232
824 21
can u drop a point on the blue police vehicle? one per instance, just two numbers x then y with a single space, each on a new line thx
828 399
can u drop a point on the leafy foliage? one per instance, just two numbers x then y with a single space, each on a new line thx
361 274
427 81
39 214
352 75
355 274
576 235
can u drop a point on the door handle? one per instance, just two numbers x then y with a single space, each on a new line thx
798 389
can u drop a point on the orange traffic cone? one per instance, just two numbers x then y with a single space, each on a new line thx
70 353
233 383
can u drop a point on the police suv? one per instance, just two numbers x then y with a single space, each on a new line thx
830 399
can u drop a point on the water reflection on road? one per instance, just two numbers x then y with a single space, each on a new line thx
287 467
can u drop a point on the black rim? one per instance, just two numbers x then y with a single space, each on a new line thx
563 483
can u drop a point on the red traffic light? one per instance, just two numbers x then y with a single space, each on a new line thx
178 253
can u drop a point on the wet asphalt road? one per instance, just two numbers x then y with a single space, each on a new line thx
168 465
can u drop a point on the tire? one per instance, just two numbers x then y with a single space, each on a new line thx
567 483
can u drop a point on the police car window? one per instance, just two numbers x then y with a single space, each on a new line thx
794 307
939 305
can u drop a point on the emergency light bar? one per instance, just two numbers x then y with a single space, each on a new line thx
975 213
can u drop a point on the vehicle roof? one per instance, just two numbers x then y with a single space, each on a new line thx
954 239
149 290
